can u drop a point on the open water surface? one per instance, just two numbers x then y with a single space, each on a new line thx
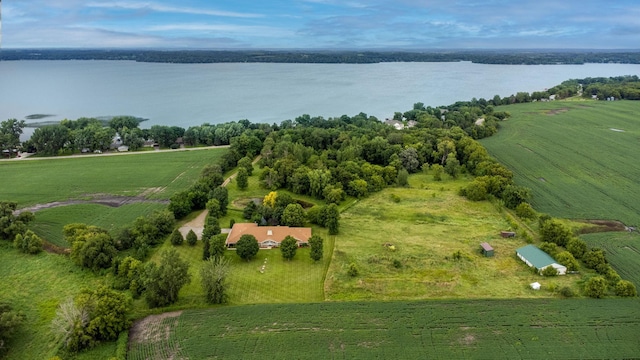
192 94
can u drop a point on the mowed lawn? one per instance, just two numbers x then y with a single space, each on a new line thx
580 158
461 329
156 175
427 226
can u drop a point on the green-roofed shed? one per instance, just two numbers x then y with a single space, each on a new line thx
534 257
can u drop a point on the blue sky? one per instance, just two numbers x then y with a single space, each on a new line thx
321 24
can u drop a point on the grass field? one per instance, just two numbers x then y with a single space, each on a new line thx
427 226
580 158
622 251
463 329
157 175
36 284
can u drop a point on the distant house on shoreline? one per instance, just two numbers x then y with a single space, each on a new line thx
268 236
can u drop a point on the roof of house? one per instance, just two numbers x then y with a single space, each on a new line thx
263 233
535 256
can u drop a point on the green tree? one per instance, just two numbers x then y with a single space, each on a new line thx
288 247
91 247
29 243
192 238
437 171
222 195
594 258
293 215
176 237
50 139
206 248
525 211
626 288
577 247
402 179
249 210
247 247
596 287
69 326
211 227
555 232
514 195
218 245
246 163
10 131
10 320
213 206
315 242
107 311
476 190
214 274
452 167
332 219
128 274
242 179
11 224
164 281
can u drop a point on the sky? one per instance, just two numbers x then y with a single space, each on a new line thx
321 24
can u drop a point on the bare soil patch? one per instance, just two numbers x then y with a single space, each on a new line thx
556 111
148 329
602 226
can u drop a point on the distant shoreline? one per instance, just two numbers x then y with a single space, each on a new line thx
498 57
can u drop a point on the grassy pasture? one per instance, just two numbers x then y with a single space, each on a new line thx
623 252
461 329
35 285
427 226
580 158
156 175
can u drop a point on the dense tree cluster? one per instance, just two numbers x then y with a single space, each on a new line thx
516 57
10 320
12 224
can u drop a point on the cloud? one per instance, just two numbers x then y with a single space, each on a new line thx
133 5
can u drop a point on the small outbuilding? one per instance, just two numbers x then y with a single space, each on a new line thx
535 285
507 234
536 258
486 249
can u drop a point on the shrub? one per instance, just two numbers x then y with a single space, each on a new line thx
397 264
566 258
596 287
549 271
176 237
353 270
29 243
626 289
192 238
567 292
525 211
577 247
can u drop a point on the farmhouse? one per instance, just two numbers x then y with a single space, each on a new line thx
268 236
534 257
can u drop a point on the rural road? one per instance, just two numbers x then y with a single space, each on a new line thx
27 156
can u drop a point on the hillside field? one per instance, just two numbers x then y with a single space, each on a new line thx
461 329
427 225
579 158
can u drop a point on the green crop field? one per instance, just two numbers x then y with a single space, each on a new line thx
580 158
49 222
622 251
483 329
427 225
155 175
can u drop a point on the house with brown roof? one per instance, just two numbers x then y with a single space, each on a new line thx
267 236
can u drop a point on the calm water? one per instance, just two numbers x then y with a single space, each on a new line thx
191 94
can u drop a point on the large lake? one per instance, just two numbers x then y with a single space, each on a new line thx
192 94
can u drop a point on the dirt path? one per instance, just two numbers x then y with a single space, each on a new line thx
197 224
